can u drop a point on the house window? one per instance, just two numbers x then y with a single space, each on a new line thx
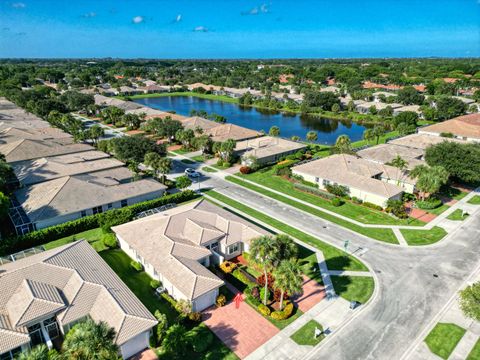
232 249
110 206
124 203
83 213
9 355
325 182
317 179
97 210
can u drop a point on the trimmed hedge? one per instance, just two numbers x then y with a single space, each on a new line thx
314 191
283 314
429 204
56 232
264 310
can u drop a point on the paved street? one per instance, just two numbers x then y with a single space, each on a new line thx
414 283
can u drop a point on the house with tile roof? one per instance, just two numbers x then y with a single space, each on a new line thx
177 245
72 197
364 179
465 127
44 295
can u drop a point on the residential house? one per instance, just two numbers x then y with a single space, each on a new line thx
177 245
364 179
44 295
72 197
364 107
31 172
267 149
11 134
385 153
421 141
217 131
465 127
13 116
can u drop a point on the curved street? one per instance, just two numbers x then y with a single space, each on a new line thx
413 283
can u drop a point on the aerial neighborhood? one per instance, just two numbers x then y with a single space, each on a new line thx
224 181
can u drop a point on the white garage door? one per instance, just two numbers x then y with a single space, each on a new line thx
135 345
205 301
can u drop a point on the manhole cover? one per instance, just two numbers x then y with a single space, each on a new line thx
435 275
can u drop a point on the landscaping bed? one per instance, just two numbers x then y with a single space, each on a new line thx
443 339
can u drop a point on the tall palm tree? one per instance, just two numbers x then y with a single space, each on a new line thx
429 179
288 278
368 135
286 248
264 251
90 341
343 145
400 164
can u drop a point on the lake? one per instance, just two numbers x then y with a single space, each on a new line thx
258 119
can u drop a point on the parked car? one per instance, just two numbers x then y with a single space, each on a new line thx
192 173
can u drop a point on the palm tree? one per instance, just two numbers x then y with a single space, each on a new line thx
158 163
274 131
378 131
226 150
429 179
368 135
264 251
312 136
40 352
295 138
287 249
400 164
343 145
92 341
288 278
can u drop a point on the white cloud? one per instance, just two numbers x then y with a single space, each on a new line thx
262 9
200 29
19 5
178 18
138 19
90 14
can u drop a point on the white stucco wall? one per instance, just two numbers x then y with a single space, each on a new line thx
135 345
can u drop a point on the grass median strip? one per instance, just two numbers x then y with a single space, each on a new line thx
381 234
306 334
354 288
423 237
443 339
335 258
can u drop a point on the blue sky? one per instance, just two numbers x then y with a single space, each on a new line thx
239 28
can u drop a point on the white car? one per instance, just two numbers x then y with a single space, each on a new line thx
192 173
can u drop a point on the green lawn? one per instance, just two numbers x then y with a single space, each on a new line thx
423 237
308 260
354 288
439 210
198 158
335 258
353 211
306 334
452 193
218 167
209 169
188 93
443 339
385 235
457 215
94 237
181 151
474 200
381 140
475 353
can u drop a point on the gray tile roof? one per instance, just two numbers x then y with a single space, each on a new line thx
39 170
172 241
72 281
13 116
267 146
72 194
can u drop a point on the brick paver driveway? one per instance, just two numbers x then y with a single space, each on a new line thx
243 330
312 294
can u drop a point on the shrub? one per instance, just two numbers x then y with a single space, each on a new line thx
109 240
245 170
261 280
264 310
195 316
169 299
155 284
136 265
283 314
277 294
240 275
184 307
114 217
314 191
396 208
255 292
161 326
430 203
219 162
221 300
337 190
356 200
283 168
200 338
372 206
337 201
447 135
262 294
227 267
